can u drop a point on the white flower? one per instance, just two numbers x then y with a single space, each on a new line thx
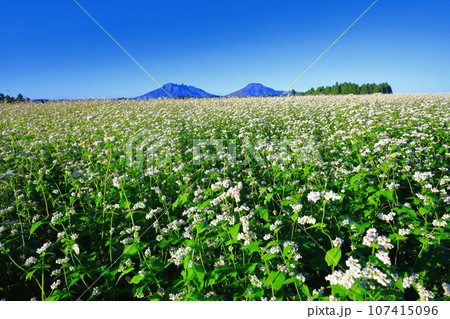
410 281
116 182
314 197
345 222
306 220
55 217
30 261
384 242
331 196
178 296
296 208
384 257
221 262
420 177
423 293
55 272
61 261
55 284
109 139
337 242
403 231
392 185
386 217
370 238
43 248
177 256
139 205
437 223
296 257
255 281
340 278
446 288
76 249
274 249
274 225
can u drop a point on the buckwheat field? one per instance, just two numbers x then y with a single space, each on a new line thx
287 198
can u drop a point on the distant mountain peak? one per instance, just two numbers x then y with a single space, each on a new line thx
175 90
255 89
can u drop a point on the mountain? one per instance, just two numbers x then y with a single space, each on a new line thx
175 90
255 89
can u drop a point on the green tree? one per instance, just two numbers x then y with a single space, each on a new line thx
335 89
364 89
9 99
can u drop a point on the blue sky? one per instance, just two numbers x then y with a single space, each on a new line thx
51 49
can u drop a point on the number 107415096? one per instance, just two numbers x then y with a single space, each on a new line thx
403 310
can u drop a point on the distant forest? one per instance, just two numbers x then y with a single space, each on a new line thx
348 88
12 99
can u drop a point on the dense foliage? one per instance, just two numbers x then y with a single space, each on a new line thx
289 198
348 88
12 99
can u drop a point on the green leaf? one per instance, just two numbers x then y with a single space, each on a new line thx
264 213
288 202
205 203
30 274
130 249
251 247
389 194
136 279
333 256
268 198
233 231
181 200
35 226
304 288
423 211
123 273
338 291
267 257
250 268
356 293
279 280
262 191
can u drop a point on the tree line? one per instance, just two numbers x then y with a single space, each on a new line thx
12 99
348 88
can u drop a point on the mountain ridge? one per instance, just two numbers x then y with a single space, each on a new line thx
183 90
175 90
255 89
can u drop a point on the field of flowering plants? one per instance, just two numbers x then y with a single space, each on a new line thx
287 198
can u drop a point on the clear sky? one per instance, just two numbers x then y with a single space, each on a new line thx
51 49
